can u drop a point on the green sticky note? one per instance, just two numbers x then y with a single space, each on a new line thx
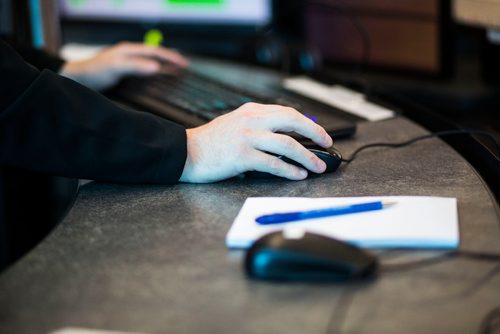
153 37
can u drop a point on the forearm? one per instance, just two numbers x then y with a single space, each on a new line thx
59 127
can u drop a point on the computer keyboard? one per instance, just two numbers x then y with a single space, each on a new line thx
193 99
195 94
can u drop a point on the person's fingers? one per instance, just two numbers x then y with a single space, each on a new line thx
289 147
285 119
170 56
162 54
171 69
267 163
138 66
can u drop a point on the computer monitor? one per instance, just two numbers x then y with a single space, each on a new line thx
187 12
396 36
216 27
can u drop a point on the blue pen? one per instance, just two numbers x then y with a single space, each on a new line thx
278 218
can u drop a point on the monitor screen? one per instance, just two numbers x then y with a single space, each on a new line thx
404 36
221 12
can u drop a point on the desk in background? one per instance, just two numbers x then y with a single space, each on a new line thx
152 259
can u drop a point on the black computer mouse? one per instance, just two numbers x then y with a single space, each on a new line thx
302 256
330 156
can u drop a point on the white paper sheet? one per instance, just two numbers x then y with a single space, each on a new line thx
414 222
77 330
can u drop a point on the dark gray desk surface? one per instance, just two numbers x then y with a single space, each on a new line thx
152 258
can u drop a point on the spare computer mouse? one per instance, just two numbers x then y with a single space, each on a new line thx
295 255
330 156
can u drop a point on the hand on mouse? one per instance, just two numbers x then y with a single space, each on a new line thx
110 65
236 142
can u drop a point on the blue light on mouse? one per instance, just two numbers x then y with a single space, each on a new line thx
312 118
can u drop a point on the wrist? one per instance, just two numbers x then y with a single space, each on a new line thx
80 71
73 70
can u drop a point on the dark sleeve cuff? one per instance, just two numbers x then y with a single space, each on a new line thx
39 58
170 169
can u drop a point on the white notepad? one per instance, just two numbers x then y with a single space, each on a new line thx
414 222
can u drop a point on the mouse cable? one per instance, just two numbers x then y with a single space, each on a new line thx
478 256
491 322
431 135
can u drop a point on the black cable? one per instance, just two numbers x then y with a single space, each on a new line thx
432 135
385 268
491 323
479 283
479 256
493 257
340 311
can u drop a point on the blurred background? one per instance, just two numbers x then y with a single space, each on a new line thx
443 53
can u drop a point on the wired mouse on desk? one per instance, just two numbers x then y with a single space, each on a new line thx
296 255
331 157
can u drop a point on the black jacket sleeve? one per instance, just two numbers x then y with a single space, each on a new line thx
38 58
53 125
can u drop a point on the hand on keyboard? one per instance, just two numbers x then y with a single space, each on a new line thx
112 64
238 141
